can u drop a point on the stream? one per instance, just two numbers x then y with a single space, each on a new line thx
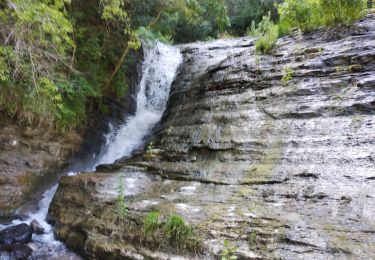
158 72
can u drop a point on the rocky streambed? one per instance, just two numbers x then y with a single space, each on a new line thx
266 156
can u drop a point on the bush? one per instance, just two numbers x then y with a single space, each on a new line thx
151 222
172 228
177 230
303 14
342 12
308 15
267 33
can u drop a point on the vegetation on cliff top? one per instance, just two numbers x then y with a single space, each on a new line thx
306 15
60 58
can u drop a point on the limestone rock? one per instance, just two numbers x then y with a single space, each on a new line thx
281 167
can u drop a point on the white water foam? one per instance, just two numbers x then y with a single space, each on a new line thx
159 69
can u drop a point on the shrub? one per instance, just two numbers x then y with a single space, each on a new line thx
177 230
308 15
172 228
267 33
287 75
303 14
342 12
151 222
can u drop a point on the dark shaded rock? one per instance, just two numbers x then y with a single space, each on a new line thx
21 252
36 227
21 234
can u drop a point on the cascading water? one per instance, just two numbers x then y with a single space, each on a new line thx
159 69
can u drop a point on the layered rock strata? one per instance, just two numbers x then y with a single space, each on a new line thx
273 153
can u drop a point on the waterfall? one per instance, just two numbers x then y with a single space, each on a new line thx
158 72
159 69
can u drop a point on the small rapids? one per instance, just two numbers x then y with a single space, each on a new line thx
158 72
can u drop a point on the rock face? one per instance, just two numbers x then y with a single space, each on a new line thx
274 153
29 158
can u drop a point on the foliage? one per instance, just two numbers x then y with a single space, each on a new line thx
287 75
342 12
173 228
59 59
180 20
122 208
308 15
149 151
229 251
35 37
300 13
176 229
41 42
267 33
243 12
151 222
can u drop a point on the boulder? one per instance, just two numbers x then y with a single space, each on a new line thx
37 227
20 234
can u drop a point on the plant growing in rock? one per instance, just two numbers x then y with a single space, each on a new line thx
342 12
152 223
170 130
229 251
173 228
267 33
149 154
308 15
177 230
253 238
122 208
287 75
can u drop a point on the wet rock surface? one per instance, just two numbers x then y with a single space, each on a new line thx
29 159
274 153
16 234
15 252
13 242
37 227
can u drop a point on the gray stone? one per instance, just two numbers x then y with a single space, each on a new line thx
267 164
36 227
16 234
